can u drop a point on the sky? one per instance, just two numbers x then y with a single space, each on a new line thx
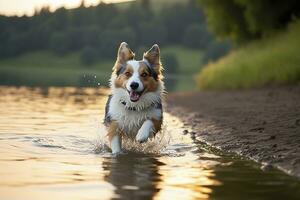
21 7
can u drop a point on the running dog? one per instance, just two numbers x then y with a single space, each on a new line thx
134 108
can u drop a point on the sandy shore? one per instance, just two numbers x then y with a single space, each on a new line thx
260 124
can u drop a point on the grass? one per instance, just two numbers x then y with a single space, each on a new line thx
47 59
44 68
33 76
271 61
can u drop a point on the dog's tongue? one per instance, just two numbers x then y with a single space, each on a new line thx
134 96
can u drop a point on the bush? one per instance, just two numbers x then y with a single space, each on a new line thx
88 56
270 61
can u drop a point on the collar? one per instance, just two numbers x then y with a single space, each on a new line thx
157 105
127 107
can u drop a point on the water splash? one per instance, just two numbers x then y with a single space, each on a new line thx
153 146
167 142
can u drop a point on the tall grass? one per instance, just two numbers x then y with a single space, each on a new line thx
274 60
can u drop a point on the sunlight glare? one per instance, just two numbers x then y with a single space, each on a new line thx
19 7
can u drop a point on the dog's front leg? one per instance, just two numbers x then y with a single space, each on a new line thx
147 130
114 137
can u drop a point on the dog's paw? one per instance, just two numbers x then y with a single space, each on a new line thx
142 136
118 154
145 131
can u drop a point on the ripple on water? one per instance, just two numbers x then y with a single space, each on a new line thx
52 146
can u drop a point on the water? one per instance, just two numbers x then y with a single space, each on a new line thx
52 147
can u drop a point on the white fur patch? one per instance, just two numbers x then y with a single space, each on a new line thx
115 144
135 76
145 131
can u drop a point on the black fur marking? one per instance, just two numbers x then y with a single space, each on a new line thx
121 70
158 105
107 117
151 71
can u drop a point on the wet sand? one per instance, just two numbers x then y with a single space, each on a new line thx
260 124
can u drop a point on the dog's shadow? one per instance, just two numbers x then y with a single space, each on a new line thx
134 175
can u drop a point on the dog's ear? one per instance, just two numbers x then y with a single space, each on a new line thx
124 54
153 57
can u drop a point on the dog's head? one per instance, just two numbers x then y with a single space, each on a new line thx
137 77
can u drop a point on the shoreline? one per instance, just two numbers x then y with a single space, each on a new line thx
260 124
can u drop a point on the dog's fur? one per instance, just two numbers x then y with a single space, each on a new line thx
134 108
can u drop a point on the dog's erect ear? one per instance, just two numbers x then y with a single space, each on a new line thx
153 57
124 54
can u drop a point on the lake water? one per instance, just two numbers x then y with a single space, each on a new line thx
52 146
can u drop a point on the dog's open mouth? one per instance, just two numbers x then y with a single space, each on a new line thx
134 95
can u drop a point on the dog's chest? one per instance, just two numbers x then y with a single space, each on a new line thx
130 121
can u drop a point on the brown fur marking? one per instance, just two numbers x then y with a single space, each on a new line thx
157 125
149 83
112 130
122 79
124 54
153 57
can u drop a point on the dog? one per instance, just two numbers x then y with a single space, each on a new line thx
134 107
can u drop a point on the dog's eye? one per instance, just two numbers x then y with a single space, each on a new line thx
128 74
144 74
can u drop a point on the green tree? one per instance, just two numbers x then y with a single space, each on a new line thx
243 20
196 36
58 43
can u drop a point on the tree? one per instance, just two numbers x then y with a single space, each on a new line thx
58 43
244 20
196 36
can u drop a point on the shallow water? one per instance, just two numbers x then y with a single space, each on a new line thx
52 147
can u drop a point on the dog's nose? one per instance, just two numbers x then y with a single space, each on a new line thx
134 85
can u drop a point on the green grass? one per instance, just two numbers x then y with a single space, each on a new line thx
44 68
271 61
47 59
33 76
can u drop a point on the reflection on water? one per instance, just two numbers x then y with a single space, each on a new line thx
49 148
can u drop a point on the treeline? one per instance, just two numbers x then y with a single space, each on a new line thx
97 31
245 20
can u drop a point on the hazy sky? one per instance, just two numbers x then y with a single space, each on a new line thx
20 7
